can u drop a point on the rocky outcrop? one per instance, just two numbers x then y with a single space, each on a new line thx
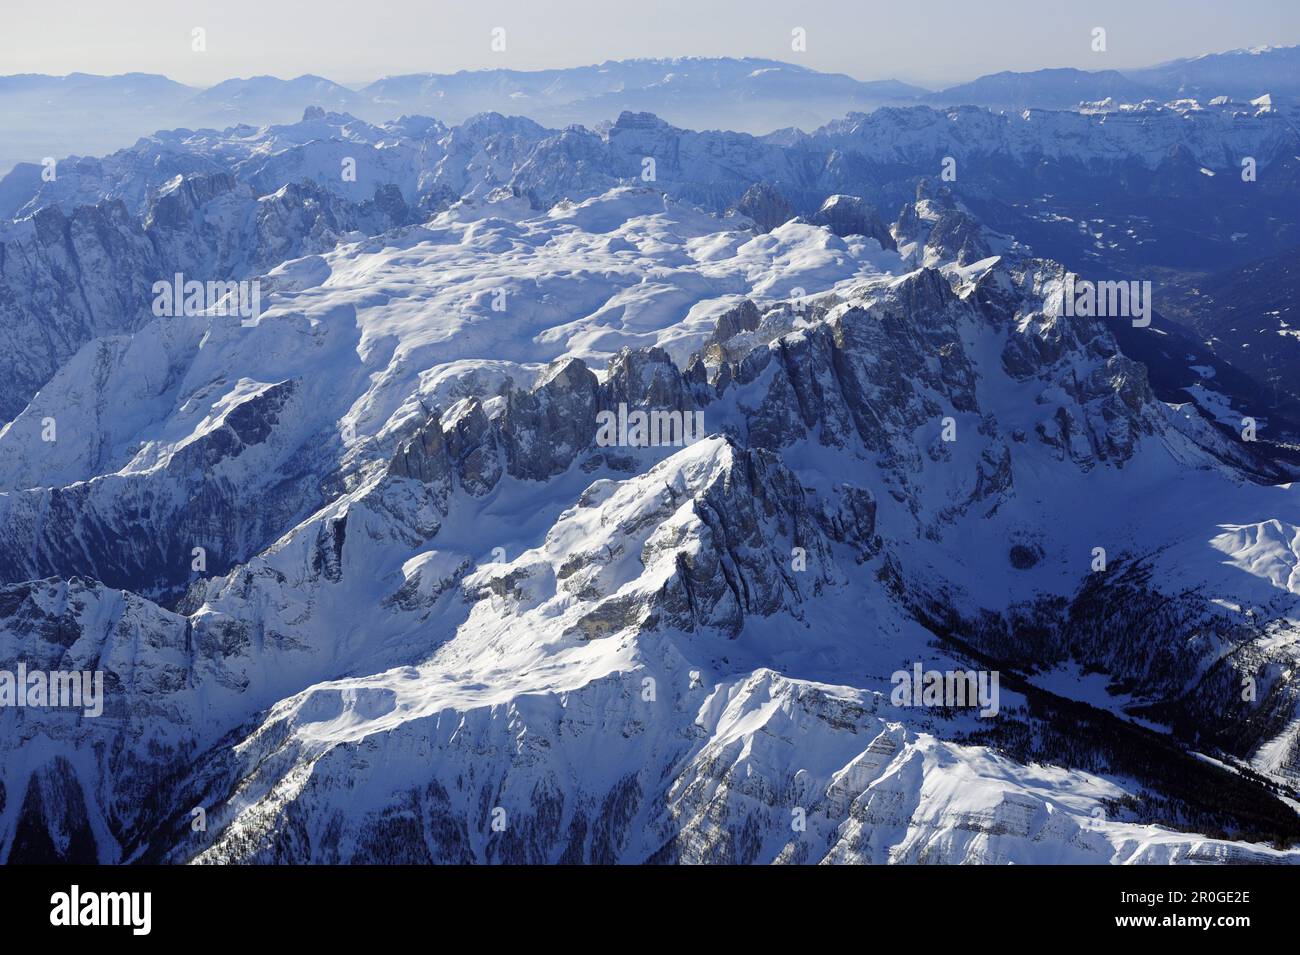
90 273
958 237
766 206
74 278
853 215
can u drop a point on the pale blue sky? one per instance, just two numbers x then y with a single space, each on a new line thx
934 42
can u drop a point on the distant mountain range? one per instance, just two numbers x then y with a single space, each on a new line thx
1237 74
85 114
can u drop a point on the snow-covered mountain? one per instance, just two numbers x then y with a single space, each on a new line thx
1243 74
377 572
233 203
1150 145
70 278
436 602
1145 136
92 115
88 115
1045 89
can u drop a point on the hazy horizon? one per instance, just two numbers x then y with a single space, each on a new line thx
867 41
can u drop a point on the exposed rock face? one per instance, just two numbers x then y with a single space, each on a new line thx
76 277
139 529
546 428
939 229
743 318
853 215
216 227
957 236
645 378
722 524
865 374
91 273
908 224
766 206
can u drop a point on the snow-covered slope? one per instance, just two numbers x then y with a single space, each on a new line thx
442 621
350 350
73 277
221 205
1146 135
1243 73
